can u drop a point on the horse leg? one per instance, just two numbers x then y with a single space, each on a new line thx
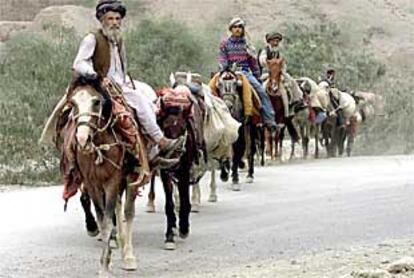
120 225
262 146
350 142
305 142
316 141
110 200
91 226
252 153
129 260
270 142
224 169
151 195
213 186
234 169
238 152
195 198
169 211
279 144
341 140
185 205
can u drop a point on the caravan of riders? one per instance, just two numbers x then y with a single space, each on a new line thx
115 134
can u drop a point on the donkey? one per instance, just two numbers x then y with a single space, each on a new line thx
92 144
230 87
176 121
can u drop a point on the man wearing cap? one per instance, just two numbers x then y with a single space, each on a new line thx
330 77
288 84
102 55
236 49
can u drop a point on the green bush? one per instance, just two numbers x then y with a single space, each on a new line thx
311 50
155 49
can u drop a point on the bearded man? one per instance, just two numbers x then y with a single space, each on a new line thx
102 55
288 84
236 50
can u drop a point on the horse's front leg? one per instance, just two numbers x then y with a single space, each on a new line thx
272 152
151 195
169 212
110 201
129 260
91 226
262 146
185 205
252 153
195 198
213 185
349 142
316 141
305 142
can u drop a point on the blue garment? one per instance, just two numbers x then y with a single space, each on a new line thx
267 112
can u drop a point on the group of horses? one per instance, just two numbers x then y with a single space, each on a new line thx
104 162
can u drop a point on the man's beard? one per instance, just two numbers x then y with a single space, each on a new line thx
113 34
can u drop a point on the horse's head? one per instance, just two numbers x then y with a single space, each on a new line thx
228 84
174 111
275 67
91 109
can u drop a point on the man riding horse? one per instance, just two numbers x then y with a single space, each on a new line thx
237 50
289 90
102 56
288 87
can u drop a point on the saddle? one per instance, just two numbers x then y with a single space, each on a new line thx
127 130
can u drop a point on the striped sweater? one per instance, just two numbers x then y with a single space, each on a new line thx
234 50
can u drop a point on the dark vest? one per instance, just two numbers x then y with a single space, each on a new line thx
102 56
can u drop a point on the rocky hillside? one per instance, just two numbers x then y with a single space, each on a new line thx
383 26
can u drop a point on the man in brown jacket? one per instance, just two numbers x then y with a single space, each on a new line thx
102 55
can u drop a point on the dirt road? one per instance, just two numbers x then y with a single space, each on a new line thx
321 218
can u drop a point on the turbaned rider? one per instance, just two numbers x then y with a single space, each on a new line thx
102 55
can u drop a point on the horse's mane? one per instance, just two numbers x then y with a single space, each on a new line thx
81 81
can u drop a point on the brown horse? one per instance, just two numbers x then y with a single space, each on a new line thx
272 86
299 122
90 138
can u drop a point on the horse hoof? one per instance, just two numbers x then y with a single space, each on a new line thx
130 264
184 235
103 274
224 177
113 243
170 245
195 208
93 233
235 186
150 208
212 198
249 179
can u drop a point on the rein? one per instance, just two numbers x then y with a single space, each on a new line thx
99 149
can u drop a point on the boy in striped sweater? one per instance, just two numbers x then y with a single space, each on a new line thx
237 50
